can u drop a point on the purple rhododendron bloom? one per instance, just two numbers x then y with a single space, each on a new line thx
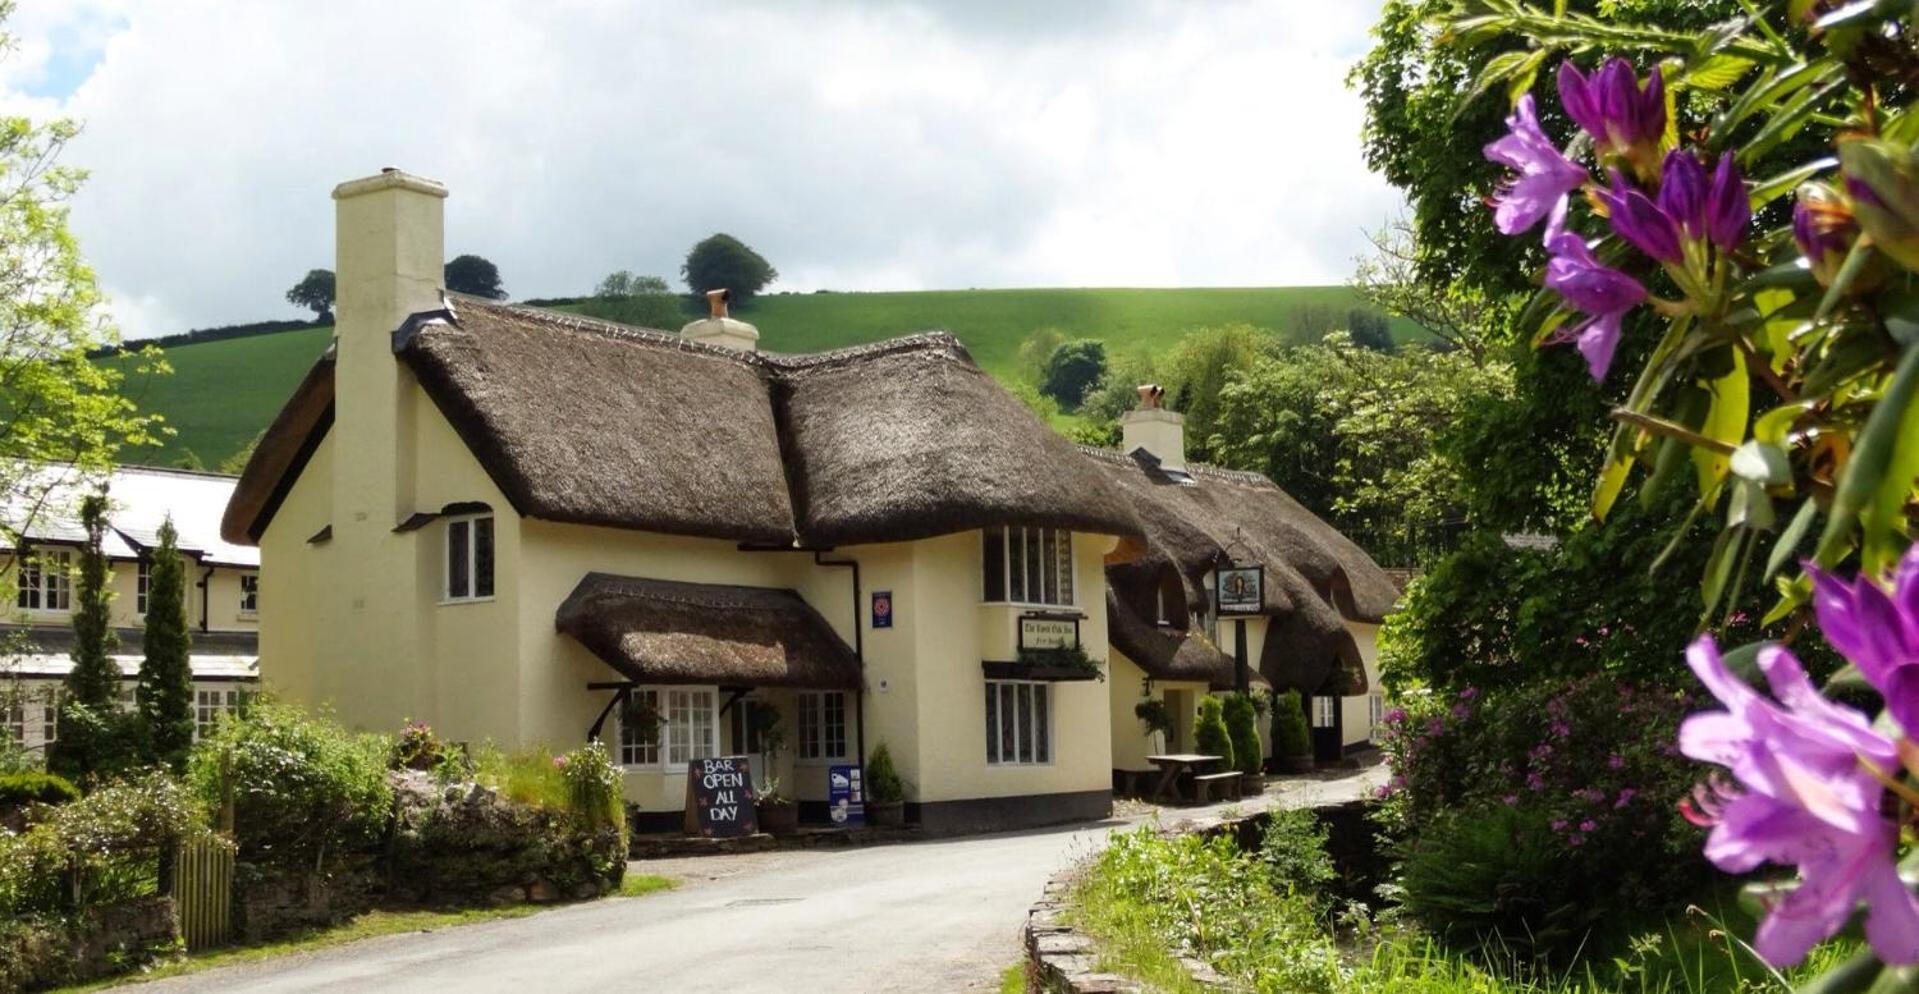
1611 106
1823 226
1544 177
1878 629
1805 801
1682 192
1601 292
1641 222
1728 206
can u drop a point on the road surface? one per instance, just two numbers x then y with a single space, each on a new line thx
941 915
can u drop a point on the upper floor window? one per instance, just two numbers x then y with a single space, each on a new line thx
469 558
44 583
1027 566
249 593
142 580
822 725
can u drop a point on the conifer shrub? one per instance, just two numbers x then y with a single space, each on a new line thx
1291 737
883 782
1242 726
35 787
1210 735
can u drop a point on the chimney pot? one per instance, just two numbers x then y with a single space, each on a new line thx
719 329
716 301
1149 396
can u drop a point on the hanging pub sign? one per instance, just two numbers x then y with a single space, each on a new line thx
845 795
882 609
1240 589
719 798
1043 632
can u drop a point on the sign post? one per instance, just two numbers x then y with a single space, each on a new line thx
846 795
719 798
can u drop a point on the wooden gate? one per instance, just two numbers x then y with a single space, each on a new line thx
203 891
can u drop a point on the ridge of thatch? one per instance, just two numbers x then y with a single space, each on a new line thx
1165 652
592 422
670 632
1313 583
281 454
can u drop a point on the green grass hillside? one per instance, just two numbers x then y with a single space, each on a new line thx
222 393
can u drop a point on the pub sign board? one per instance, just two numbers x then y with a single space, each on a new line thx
1240 589
1042 632
845 795
719 798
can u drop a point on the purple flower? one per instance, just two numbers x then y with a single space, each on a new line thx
1544 174
1640 221
1395 716
1561 729
1728 206
1535 782
1559 824
1469 693
1625 797
1601 292
1588 826
1877 627
1610 105
1682 192
1575 839
1805 801
1461 712
1510 799
1823 227
1615 761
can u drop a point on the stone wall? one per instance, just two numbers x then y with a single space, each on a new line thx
106 940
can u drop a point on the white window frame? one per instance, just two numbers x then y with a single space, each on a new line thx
1375 709
210 701
142 584
1325 711
670 753
249 595
1048 572
45 577
1038 704
13 718
471 523
813 723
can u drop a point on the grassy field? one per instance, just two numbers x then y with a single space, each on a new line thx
223 393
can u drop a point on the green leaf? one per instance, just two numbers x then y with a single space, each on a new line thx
1851 977
1761 462
1725 553
1718 72
1884 520
1497 69
1773 426
1725 421
1750 507
1792 538
1872 457
1743 660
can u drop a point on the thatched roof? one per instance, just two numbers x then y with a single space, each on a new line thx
1165 652
661 631
1315 577
592 422
281 454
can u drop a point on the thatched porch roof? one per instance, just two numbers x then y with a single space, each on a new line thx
662 631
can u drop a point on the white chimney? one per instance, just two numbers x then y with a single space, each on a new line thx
718 329
1162 433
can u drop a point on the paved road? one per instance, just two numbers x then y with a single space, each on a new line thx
927 916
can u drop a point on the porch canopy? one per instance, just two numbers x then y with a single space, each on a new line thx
668 632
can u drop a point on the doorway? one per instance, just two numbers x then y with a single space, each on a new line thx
1329 735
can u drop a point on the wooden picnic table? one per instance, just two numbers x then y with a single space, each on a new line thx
1174 765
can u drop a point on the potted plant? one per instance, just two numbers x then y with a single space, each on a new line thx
777 813
1292 740
1157 717
1210 736
1242 726
885 791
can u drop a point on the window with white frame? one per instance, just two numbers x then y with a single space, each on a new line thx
1027 566
1325 712
129 698
13 717
822 725
1019 722
1375 709
469 558
142 580
209 705
45 583
50 716
639 743
249 593
688 727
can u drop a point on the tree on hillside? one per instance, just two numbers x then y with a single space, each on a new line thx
621 284
1455 313
1198 368
1369 330
474 275
724 262
1072 370
66 415
165 692
234 464
315 293
641 301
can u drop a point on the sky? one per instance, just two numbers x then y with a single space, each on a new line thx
858 145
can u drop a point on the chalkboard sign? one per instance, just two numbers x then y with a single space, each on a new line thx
719 798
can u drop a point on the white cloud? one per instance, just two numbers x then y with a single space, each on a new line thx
858 146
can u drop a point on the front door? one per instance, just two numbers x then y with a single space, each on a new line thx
1328 737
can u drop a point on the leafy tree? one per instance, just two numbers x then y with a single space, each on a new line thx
724 262
621 284
1035 350
474 275
1369 330
62 415
641 301
237 462
1461 315
165 692
1195 372
1072 369
315 293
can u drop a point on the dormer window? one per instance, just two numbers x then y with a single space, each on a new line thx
44 584
469 558
1027 566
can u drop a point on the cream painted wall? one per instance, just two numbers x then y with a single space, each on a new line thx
1356 711
123 579
1131 742
302 595
949 760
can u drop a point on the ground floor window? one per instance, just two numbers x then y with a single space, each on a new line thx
1019 719
209 705
669 726
13 719
1375 709
822 725
1325 712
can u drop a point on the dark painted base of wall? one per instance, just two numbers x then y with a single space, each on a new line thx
999 814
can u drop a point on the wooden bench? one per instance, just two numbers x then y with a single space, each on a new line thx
1135 783
1228 784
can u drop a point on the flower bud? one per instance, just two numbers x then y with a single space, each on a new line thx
1823 226
1883 181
